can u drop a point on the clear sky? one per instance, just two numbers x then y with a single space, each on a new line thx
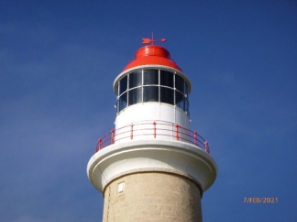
58 60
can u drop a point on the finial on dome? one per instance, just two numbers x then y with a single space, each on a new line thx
152 40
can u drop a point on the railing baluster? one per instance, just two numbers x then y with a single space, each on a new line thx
99 145
177 137
195 138
112 137
206 146
131 136
155 131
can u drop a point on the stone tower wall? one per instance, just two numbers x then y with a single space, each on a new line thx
152 197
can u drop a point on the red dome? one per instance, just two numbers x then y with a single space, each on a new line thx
152 55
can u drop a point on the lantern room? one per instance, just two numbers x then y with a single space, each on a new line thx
155 83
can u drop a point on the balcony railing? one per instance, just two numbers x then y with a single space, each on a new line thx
152 130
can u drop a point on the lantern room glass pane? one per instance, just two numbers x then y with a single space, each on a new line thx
123 85
179 100
166 78
135 96
181 105
167 95
179 83
150 77
186 89
117 89
187 107
135 79
150 94
122 102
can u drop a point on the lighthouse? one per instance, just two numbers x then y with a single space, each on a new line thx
152 166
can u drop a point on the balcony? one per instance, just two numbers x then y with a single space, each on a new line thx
152 130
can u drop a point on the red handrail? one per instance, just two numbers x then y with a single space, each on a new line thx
164 129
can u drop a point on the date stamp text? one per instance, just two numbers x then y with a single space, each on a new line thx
260 200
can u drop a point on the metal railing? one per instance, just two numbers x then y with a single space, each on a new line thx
152 130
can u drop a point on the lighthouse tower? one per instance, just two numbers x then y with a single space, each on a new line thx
152 167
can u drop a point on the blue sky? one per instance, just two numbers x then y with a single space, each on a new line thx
59 59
